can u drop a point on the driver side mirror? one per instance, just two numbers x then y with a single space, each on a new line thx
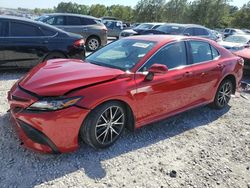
156 69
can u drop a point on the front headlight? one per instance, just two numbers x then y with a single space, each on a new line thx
52 103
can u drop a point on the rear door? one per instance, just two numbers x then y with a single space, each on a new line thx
207 69
27 44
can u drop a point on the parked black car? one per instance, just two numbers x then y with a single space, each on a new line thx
25 43
183 29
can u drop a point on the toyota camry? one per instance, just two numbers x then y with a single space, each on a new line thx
126 84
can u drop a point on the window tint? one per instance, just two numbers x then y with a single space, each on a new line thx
24 30
55 20
73 20
88 21
173 55
215 52
3 28
200 31
201 51
189 31
48 32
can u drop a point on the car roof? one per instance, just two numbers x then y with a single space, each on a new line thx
71 14
185 25
15 18
164 38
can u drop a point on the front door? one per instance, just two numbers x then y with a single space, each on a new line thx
166 93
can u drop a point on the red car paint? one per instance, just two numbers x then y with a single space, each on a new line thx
167 94
245 54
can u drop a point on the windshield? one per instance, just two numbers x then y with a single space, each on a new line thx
171 29
122 54
237 39
144 26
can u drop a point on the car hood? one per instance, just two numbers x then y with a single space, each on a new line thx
59 76
129 31
245 53
231 44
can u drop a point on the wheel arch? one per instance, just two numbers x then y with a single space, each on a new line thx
232 78
54 51
94 36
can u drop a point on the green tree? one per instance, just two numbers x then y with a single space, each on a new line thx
98 10
241 18
149 10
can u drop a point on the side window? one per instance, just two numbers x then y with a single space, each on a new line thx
173 55
56 20
200 32
73 20
88 21
215 52
189 31
24 30
200 51
48 32
3 28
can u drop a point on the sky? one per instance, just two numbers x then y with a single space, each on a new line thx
51 3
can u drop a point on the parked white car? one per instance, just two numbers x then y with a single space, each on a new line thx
236 42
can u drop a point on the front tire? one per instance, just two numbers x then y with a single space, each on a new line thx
223 94
104 125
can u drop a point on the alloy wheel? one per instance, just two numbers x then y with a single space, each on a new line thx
93 44
110 125
225 93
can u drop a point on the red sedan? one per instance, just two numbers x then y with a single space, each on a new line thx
129 83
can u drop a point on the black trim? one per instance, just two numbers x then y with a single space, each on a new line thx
29 92
37 136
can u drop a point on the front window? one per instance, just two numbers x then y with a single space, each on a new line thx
172 55
122 54
236 39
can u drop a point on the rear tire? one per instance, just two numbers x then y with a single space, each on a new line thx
223 95
104 125
92 44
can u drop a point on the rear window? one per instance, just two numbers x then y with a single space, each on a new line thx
201 51
73 20
48 32
88 21
24 30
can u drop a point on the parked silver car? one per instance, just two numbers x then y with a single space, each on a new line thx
93 31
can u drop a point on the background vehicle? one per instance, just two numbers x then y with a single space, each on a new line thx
236 42
92 30
232 31
25 43
114 27
139 29
136 81
245 54
183 29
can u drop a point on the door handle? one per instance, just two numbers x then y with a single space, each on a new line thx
188 74
45 42
220 66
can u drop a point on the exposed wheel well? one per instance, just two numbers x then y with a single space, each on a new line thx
54 52
233 80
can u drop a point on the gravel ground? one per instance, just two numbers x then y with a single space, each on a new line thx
205 147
